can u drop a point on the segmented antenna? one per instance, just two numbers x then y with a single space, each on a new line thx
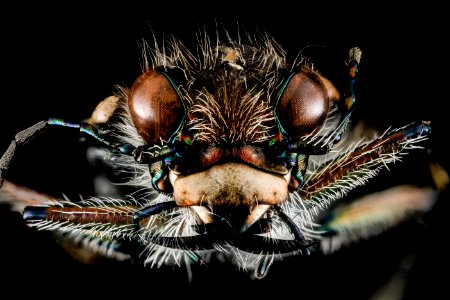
323 145
142 154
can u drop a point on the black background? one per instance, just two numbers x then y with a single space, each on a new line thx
61 61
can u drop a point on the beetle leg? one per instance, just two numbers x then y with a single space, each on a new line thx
299 238
353 168
152 210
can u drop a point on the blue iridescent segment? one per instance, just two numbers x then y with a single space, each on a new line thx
291 224
126 149
291 158
263 266
424 128
34 213
142 154
60 122
194 257
153 210
92 131
84 128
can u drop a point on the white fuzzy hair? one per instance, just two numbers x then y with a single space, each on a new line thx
238 119
223 115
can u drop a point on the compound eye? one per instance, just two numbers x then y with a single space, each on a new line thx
155 107
304 103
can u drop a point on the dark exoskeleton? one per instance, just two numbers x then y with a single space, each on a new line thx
228 139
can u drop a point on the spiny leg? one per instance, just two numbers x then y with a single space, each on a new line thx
87 228
152 210
78 220
355 166
298 236
106 222
294 228
103 226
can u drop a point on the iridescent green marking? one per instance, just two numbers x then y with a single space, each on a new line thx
302 164
124 148
292 158
277 138
157 174
186 139
353 70
176 134
60 122
92 131
299 177
282 132
283 155
351 99
263 266
194 257
84 128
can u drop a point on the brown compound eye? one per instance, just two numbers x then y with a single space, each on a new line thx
304 103
155 107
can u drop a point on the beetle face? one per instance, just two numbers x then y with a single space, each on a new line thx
229 124
245 157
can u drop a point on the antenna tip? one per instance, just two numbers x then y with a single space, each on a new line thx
355 54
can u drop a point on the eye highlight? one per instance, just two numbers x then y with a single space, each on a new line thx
155 106
303 103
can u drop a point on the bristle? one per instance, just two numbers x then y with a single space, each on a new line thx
355 54
236 108
225 114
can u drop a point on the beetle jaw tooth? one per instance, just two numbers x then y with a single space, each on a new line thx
287 177
172 177
203 213
256 212
207 194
